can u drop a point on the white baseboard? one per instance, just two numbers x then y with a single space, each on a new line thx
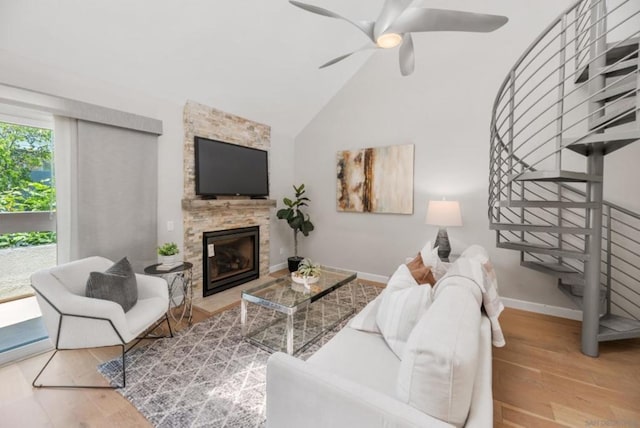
373 277
25 351
540 308
278 267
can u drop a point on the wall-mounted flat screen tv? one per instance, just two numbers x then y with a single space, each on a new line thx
224 169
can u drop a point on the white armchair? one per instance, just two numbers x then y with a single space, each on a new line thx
75 321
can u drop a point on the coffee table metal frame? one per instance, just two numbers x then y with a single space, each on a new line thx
330 280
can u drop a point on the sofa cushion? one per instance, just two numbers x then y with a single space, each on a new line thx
118 284
439 363
361 357
403 304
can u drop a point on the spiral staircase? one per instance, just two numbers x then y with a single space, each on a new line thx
569 101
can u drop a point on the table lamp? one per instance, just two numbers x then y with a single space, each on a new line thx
443 214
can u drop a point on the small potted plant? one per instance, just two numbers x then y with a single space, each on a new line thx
168 253
297 220
308 272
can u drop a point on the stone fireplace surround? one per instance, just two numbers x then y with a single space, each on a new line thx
210 215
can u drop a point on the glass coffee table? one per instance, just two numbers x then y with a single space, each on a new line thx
291 316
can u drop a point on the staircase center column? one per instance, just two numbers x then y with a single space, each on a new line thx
591 297
595 166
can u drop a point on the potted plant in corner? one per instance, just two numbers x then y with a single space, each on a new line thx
297 220
168 253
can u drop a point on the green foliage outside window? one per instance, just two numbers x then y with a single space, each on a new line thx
24 149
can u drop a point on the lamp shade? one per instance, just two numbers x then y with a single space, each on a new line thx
444 213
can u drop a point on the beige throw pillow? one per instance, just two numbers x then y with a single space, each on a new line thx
421 273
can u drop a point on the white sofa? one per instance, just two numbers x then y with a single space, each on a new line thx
352 380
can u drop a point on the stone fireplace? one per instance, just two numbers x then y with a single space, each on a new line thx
202 216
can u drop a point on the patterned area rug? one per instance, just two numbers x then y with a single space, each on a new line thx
208 376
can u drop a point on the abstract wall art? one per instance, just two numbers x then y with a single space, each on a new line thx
376 180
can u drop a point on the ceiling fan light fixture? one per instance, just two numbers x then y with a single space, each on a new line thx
389 40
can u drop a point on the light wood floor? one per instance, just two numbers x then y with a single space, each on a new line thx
540 379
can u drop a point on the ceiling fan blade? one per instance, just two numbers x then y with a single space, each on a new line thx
426 19
341 57
407 58
365 26
391 10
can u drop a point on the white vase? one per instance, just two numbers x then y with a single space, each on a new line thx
168 260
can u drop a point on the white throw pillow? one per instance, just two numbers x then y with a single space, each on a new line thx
477 252
402 304
438 367
365 320
430 258
491 301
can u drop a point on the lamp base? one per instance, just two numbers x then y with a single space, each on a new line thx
442 242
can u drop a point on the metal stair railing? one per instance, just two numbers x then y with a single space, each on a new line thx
523 121
620 273
542 109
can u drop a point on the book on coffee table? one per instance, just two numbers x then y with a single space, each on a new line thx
169 266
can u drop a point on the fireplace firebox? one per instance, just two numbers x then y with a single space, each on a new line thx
229 258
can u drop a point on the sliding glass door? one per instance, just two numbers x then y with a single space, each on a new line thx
27 227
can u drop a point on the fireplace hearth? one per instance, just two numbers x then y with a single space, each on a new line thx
230 257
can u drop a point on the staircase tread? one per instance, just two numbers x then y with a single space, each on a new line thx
605 137
619 323
615 327
612 141
555 267
556 175
621 66
616 91
540 228
573 281
530 244
531 247
615 51
547 204
625 111
578 300
629 43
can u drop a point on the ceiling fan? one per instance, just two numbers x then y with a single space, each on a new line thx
397 21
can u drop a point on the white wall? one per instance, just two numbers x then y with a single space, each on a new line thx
444 108
31 74
281 179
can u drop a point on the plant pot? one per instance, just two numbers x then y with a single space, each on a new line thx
169 260
293 263
295 277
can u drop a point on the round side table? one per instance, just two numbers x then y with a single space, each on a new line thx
180 277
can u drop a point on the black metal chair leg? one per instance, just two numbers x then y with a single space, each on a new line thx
122 347
124 351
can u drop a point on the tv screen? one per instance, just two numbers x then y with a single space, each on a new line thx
228 169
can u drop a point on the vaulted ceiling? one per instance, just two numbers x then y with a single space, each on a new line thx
256 58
